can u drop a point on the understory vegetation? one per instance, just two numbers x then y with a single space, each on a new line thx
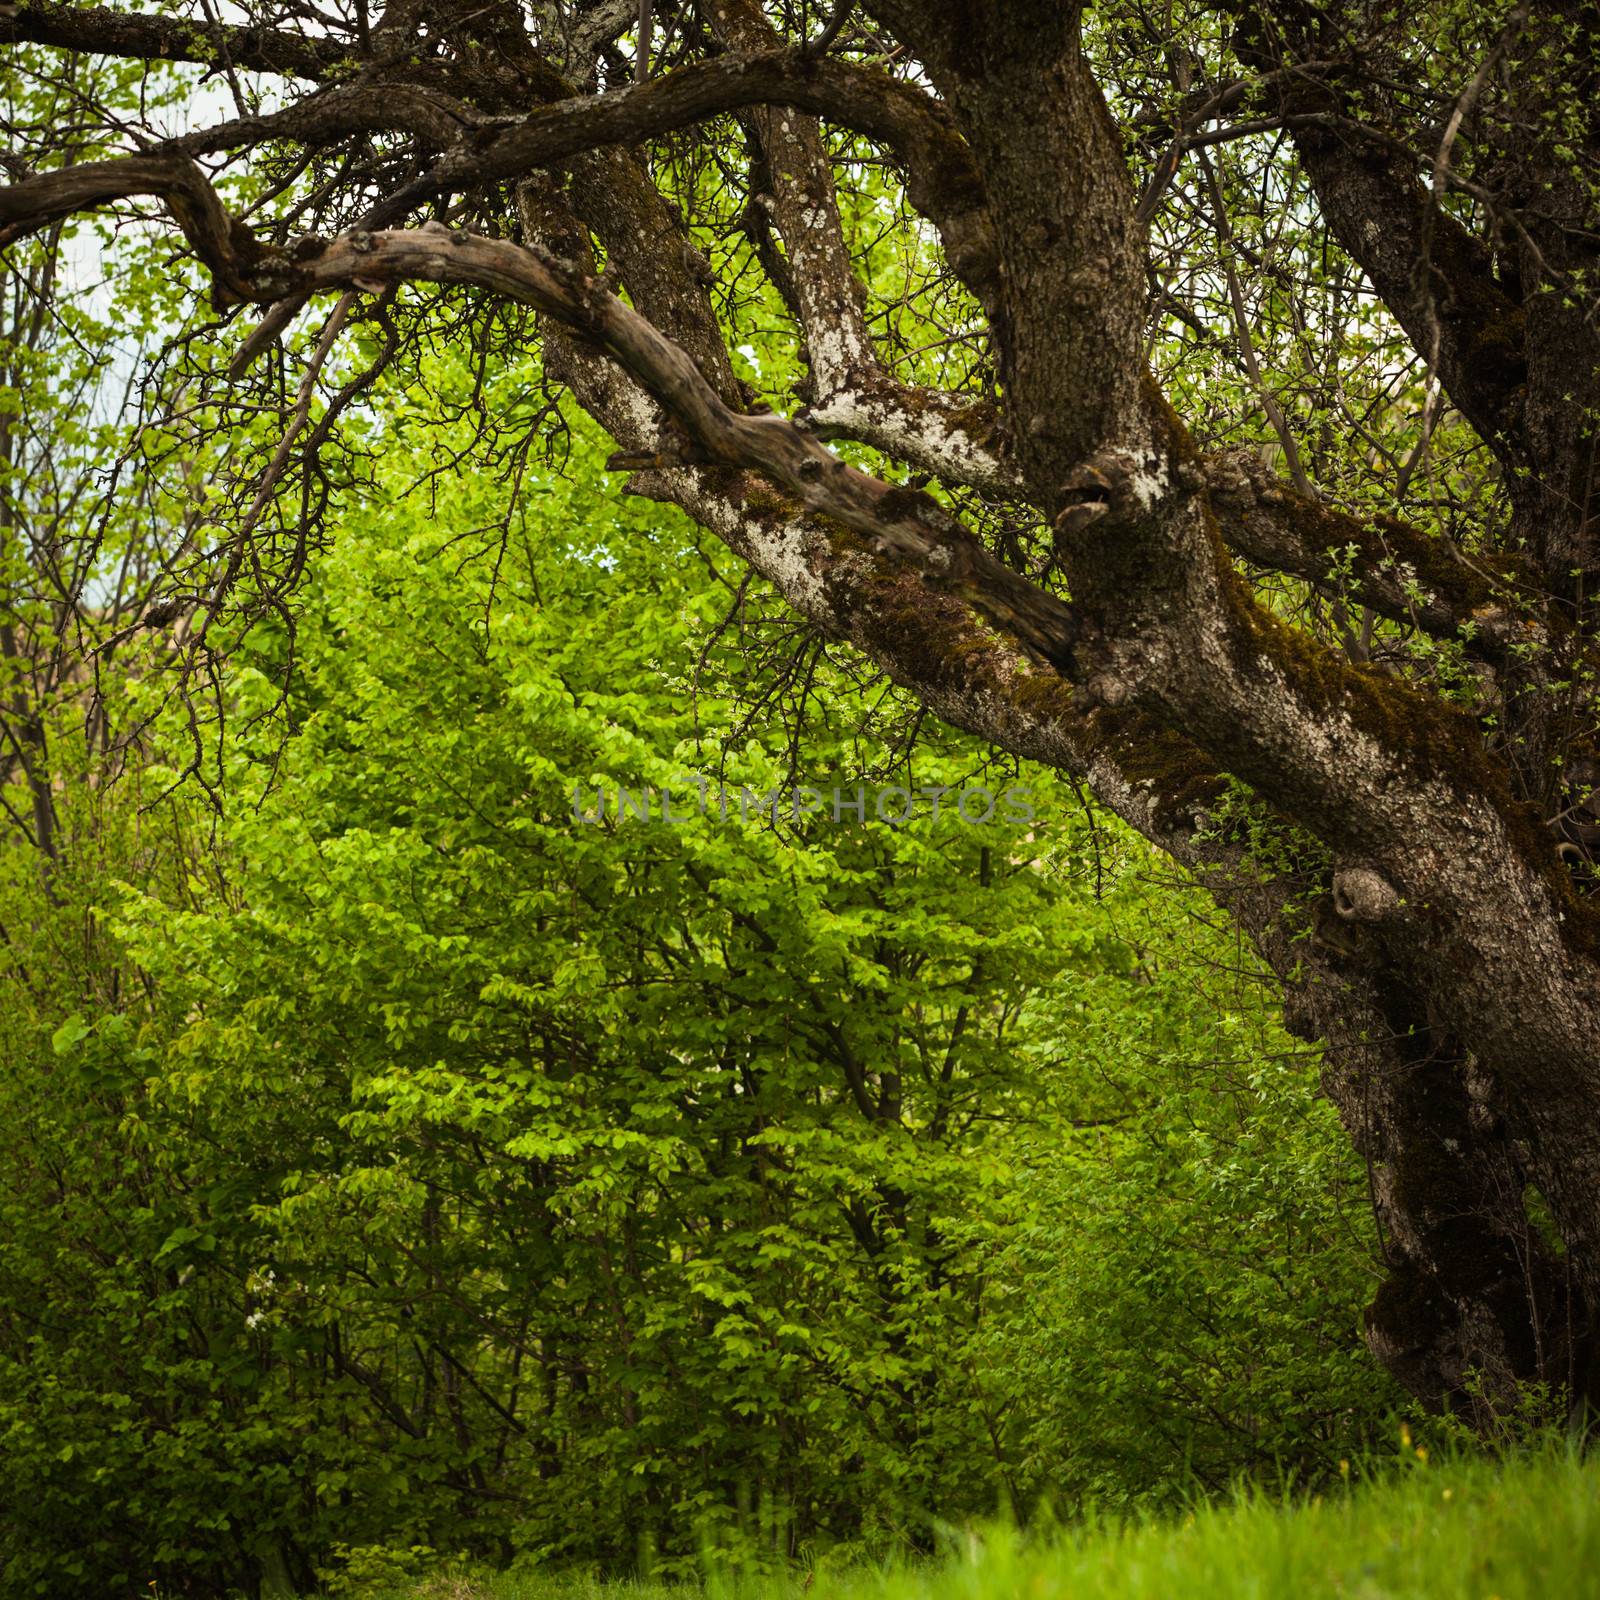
1468 1530
395 1159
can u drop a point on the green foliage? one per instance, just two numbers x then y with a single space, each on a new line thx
416 1167
404 1173
1470 1528
1516 1530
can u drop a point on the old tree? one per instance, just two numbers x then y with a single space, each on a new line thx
1254 457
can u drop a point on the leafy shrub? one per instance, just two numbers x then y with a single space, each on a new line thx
421 1167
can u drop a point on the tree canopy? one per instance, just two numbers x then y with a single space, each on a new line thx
1197 401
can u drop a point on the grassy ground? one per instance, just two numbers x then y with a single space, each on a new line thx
1528 1529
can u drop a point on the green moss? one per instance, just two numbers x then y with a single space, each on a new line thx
1423 733
902 504
1496 344
1170 428
1179 776
768 505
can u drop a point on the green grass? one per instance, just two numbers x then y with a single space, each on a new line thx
1527 1530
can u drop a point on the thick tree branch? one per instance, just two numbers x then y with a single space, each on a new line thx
225 245
481 148
852 394
942 181
855 396
1419 579
805 208
905 525
958 441
1068 323
340 111
1431 273
131 36
1434 276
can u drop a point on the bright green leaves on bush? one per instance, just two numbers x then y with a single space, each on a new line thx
426 1167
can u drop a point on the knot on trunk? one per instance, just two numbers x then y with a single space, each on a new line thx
1361 894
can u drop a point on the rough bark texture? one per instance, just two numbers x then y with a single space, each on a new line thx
1447 956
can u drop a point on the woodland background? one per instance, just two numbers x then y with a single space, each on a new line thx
390 1161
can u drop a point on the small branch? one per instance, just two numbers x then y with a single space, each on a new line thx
270 479
97 30
646 29
1401 572
820 45
267 334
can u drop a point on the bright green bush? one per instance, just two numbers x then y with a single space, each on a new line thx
420 1167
